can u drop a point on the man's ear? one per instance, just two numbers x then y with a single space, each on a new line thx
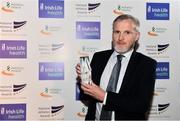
137 36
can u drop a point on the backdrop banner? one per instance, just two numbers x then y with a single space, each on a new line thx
41 41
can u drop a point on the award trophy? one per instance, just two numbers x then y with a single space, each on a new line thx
85 70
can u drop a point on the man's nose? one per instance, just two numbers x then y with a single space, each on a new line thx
121 36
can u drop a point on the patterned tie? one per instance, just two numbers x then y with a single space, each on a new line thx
106 115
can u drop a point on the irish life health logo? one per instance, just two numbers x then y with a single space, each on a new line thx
157 11
13 49
162 70
11 112
51 8
51 71
87 30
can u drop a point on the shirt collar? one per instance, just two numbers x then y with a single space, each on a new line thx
126 55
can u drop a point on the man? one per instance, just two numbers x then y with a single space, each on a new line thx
133 94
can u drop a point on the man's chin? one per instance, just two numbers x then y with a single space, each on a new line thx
121 51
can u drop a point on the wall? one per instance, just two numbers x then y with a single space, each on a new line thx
41 42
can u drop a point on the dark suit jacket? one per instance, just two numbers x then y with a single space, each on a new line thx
135 95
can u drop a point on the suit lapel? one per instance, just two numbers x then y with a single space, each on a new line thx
101 60
129 71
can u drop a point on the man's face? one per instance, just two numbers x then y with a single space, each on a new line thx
124 36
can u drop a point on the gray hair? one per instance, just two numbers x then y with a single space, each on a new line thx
126 17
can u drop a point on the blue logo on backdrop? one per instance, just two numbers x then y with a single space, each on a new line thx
88 30
51 71
157 11
13 112
162 70
51 8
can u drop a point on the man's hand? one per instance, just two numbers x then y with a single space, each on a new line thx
93 90
90 89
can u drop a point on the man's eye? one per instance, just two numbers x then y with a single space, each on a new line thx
127 32
116 32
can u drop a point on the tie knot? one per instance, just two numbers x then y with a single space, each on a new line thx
119 57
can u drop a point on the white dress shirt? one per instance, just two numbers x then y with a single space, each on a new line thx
106 75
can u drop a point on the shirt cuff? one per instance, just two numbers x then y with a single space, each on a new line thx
104 101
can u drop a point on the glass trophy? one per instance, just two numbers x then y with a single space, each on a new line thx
85 70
